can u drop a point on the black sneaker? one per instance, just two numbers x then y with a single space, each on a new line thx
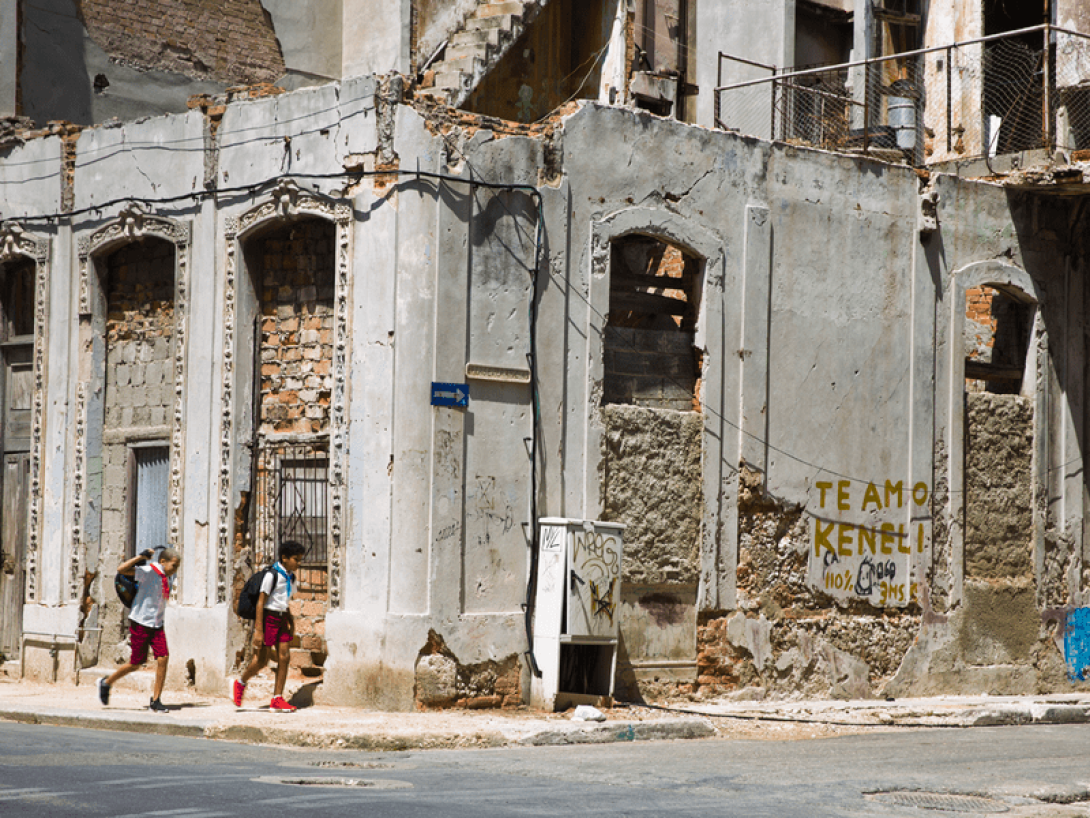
157 706
103 691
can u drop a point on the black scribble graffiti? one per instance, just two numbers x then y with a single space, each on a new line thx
602 603
487 509
871 573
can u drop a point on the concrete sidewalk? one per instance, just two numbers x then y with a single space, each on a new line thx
356 729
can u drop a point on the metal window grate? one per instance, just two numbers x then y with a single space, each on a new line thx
292 501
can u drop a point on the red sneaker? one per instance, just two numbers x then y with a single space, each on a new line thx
238 690
281 706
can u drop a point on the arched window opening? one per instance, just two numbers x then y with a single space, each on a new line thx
650 360
138 287
292 267
652 453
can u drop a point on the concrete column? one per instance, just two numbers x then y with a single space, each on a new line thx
757 273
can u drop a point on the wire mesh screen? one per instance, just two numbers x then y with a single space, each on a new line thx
969 100
292 495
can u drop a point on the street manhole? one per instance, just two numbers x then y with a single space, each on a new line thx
940 801
343 783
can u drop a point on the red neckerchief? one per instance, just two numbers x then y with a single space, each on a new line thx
163 577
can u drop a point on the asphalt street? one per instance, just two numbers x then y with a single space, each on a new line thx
1031 770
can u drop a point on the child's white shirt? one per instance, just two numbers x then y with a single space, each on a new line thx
276 598
150 604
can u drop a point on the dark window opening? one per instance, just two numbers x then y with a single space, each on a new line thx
823 35
17 299
653 307
997 333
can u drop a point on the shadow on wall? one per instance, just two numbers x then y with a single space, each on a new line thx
53 79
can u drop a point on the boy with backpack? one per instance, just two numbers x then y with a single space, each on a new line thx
274 626
155 582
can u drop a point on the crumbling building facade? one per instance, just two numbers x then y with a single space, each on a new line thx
832 384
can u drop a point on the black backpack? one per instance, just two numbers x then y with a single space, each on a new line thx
251 591
126 586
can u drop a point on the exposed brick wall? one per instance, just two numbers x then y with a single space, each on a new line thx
229 41
308 606
442 681
296 354
655 369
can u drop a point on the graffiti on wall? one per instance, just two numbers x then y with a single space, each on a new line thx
865 538
596 569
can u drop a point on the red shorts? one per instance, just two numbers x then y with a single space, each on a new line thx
141 637
276 628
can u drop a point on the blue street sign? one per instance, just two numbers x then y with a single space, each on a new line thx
450 394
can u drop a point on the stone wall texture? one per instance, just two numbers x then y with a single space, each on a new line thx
651 482
998 486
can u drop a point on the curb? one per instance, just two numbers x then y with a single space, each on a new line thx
120 723
376 740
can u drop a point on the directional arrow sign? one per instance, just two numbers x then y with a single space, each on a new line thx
449 394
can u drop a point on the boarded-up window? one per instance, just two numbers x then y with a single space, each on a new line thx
648 347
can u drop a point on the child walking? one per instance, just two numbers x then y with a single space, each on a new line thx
274 626
146 620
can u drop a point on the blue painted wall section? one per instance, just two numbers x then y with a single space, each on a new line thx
1077 643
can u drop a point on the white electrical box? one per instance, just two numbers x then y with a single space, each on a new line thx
575 611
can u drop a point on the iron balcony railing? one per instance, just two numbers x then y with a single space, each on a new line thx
1021 90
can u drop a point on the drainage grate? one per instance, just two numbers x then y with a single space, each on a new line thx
351 765
343 783
940 801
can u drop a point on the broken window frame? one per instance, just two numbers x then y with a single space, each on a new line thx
639 297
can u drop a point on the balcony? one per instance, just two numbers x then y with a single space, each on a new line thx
1021 91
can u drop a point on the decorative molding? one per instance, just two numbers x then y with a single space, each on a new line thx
287 201
227 397
16 243
132 224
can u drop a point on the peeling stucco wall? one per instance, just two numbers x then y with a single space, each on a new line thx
788 637
442 681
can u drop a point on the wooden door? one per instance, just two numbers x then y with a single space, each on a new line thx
13 538
14 494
